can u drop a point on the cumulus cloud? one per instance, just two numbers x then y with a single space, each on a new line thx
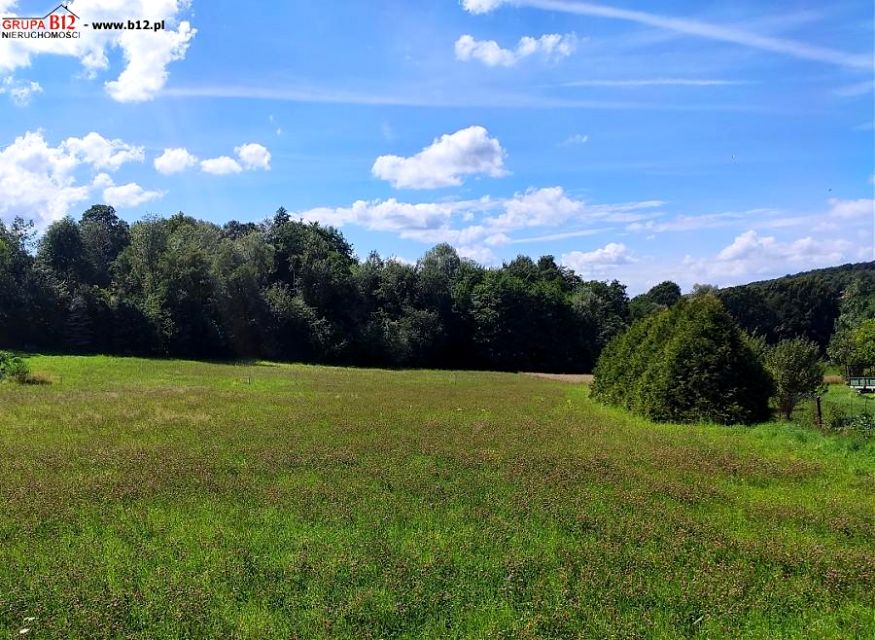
43 182
445 162
598 262
250 157
386 215
480 254
552 206
479 225
550 46
481 6
253 156
751 246
147 54
745 245
37 180
751 254
537 208
101 153
174 160
20 92
221 166
126 195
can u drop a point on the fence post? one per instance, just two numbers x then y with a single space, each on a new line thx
819 413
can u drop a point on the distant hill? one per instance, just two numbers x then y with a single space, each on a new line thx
802 304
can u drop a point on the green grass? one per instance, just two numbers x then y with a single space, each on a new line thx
171 499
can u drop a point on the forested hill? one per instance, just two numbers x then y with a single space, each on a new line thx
806 303
290 290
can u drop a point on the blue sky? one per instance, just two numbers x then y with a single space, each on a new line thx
714 142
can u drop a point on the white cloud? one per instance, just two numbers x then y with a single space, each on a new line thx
386 215
537 208
174 161
551 46
250 157
482 224
481 6
635 83
552 206
846 209
691 27
745 245
42 182
480 254
597 262
576 139
20 92
253 156
126 195
442 164
221 166
37 180
96 150
147 54
486 51
703 221
751 254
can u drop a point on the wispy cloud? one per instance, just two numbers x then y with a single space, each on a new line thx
710 31
582 233
654 82
856 89
459 100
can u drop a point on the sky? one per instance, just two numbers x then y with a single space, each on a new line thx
702 142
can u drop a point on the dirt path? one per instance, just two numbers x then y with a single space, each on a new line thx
572 378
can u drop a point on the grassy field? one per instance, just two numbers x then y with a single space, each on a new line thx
170 499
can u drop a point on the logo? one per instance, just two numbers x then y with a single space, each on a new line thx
60 22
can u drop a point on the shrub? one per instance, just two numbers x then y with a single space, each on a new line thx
13 368
839 420
689 363
796 370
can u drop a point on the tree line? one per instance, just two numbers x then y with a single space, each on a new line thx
289 290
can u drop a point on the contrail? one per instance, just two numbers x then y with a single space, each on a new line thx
686 26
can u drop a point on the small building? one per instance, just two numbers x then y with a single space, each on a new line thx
862 384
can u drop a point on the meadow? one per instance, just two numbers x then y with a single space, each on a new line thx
176 499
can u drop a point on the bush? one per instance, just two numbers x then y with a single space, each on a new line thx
796 370
839 420
13 368
690 363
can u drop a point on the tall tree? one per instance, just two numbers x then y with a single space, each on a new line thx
104 236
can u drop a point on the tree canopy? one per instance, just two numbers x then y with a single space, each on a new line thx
689 363
287 289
